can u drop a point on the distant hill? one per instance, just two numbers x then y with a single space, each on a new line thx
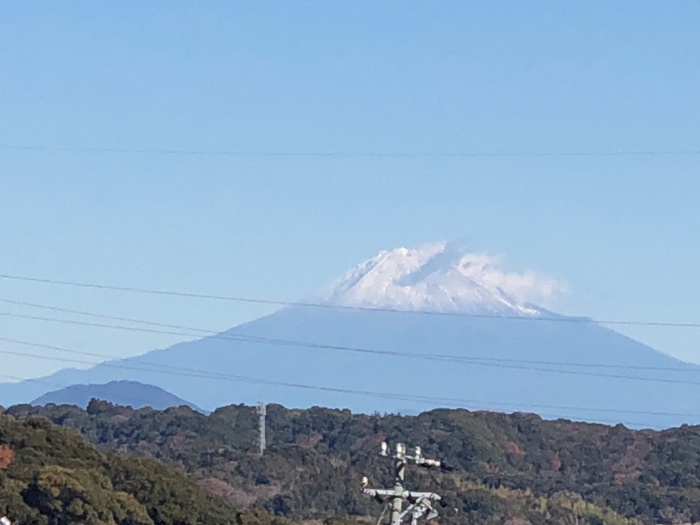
126 393
509 468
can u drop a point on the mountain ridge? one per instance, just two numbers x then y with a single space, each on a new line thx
505 388
365 359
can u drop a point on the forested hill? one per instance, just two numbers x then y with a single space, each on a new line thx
52 476
516 466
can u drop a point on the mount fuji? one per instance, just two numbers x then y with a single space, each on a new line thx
413 329
440 277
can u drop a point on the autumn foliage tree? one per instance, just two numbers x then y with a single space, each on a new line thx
6 456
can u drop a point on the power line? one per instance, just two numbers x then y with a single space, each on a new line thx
189 372
256 340
232 377
636 424
355 154
31 380
286 342
270 302
614 422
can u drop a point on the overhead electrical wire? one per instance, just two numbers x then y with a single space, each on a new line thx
442 357
253 339
257 340
31 380
271 302
189 372
200 373
353 154
286 342
558 416
178 371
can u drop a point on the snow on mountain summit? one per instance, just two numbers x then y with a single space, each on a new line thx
441 277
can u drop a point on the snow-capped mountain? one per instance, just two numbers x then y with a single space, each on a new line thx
389 355
440 277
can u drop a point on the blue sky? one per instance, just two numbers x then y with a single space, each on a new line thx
350 78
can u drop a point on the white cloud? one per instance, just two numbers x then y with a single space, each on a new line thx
525 287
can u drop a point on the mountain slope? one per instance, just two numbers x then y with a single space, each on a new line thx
128 393
507 357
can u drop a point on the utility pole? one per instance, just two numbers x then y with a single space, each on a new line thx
419 503
262 440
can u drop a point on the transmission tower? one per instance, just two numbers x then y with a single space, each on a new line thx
419 504
262 440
